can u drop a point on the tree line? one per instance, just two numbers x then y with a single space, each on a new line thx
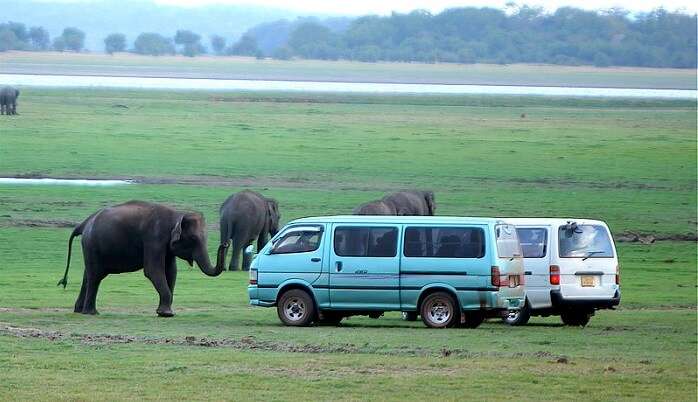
520 34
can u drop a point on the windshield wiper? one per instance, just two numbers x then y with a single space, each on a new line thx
592 253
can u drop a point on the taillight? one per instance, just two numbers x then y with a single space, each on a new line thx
554 275
618 274
253 277
496 279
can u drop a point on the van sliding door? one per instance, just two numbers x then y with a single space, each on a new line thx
364 267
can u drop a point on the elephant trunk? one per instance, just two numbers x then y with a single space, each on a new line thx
204 262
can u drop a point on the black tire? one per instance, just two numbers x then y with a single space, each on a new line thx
439 310
473 319
296 308
329 318
409 315
576 318
519 318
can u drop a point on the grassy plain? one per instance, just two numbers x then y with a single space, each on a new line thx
631 163
345 71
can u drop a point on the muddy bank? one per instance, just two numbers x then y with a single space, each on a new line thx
251 343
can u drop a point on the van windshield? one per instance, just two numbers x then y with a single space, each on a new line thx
507 241
585 241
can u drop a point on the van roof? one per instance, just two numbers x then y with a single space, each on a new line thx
551 221
398 219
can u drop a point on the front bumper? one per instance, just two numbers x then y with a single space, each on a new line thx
560 302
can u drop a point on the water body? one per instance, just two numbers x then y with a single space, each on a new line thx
77 81
69 182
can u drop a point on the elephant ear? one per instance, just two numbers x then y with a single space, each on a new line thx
177 231
273 208
16 93
431 203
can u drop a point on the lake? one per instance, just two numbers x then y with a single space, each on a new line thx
81 81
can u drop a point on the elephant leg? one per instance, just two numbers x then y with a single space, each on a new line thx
80 302
171 274
236 257
93 281
154 270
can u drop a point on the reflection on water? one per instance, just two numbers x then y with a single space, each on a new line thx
316 86
70 182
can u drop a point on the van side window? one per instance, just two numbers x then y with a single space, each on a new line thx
297 242
534 242
365 242
444 242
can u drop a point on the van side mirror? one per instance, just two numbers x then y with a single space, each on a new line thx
249 250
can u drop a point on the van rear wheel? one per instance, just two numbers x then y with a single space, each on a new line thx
576 318
518 317
473 319
439 310
296 308
409 315
330 318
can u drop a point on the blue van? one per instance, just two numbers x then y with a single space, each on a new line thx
449 270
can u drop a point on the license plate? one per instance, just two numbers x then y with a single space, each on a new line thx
588 281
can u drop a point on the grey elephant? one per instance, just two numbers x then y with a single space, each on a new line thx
245 217
134 235
409 202
8 100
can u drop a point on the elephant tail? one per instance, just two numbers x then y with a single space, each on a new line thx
76 232
227 230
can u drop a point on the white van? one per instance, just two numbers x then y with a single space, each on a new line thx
571 269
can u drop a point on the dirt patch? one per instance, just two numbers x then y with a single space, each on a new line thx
38 223
650 238
251 343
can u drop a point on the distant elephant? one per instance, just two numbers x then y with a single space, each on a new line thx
409 203
378 207
8 100
135 235
245 217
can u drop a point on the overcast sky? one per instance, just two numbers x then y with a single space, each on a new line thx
358 7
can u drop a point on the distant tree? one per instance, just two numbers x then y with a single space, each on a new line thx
314 41
245 46
73 38
40 39
115 42
282 53
190 43
153 44
218 44
8 40
58 44
13 36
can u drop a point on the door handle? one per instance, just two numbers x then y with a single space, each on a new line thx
315 259
528 273
338 265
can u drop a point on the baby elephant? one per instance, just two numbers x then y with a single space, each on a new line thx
8 100
135 235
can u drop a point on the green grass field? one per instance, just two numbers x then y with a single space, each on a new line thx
629 162
318 70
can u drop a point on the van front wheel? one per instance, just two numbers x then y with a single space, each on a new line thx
576 318
296 308
438 310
